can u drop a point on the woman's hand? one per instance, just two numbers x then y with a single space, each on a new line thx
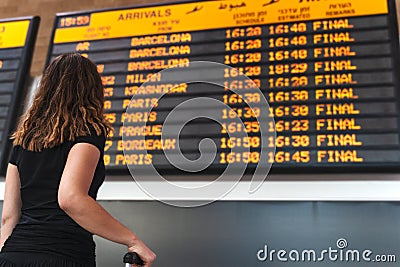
144 252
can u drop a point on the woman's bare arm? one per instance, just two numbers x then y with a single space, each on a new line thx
12 203
73 198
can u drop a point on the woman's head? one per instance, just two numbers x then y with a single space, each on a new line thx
69 102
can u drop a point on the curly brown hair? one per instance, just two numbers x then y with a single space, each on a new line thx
69 103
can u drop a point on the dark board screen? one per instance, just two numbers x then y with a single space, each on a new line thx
327 68
17 39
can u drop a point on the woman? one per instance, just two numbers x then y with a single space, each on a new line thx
56 168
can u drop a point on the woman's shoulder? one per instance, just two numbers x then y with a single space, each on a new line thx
92 138
15 154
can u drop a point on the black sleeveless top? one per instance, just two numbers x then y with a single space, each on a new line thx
44 226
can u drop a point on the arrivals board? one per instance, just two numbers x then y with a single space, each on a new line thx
17 40
328 69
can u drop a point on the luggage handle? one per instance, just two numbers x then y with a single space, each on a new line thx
132 258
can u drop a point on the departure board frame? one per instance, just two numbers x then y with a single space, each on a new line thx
24 46
393 44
